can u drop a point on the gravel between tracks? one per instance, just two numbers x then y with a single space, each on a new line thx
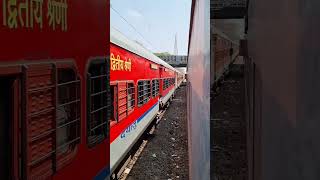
228 129
166 154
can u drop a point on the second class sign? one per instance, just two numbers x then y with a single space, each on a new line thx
30 13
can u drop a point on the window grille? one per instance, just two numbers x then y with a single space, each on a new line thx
122 100
165 84
51 113
144 92
98 106
155 87
114 103
131 97
68 114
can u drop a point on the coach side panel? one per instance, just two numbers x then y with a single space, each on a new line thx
142 75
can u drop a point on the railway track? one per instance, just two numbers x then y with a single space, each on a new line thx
135 154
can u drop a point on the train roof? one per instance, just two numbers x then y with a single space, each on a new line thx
119 39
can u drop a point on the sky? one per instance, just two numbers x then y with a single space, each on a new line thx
155 23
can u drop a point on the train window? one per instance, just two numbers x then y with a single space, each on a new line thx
98 105
122 100
165 84
68 115
155 87
51 93
144 92
131 97
114 99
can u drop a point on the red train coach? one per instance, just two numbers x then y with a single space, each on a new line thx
168 78
179 78
140 83
54 79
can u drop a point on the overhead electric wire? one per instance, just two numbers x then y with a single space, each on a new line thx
123 18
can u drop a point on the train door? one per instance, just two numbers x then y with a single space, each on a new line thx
9 114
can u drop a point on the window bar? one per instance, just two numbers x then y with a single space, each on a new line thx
55 101
98 110
141 95
89 90
68 123
92 89
24 124
71 102
96 139
78 125
98 126
117 97
44 134
51 153
35 114
69 82
127 89
99 76
102 81
68 143
34 90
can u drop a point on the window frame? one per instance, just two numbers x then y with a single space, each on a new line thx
166 83
114 103
24 71
132 99
157 90
104 135
116 100
72 66
138 91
